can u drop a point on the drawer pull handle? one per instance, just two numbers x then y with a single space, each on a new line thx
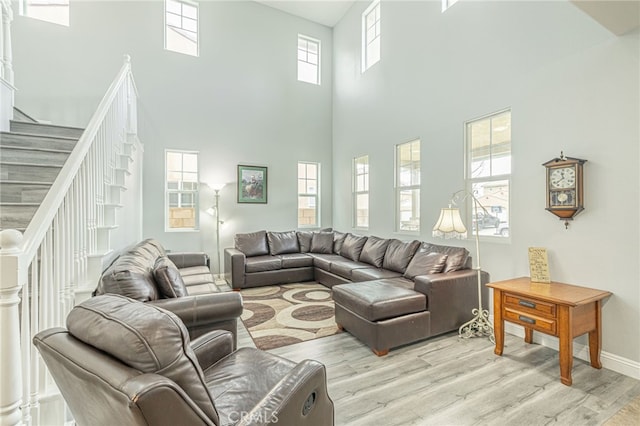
527 304
526 319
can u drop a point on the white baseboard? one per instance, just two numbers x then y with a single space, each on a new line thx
609 361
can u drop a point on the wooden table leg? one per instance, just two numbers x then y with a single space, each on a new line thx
498 322
528 335
566 344
595 337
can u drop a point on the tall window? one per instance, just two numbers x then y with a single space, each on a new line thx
308 195
55 11
371 35
308 59
446 4
361 192
181 191
408 186
489 171
181 27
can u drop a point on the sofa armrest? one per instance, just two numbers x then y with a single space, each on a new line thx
188 259
234 261
205 312
300 398
212 347
451 297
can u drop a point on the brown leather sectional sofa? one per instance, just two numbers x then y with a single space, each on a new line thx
387 292
179 282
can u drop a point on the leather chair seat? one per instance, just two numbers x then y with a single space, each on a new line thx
263 263
370 274
324 261
345 268
296 260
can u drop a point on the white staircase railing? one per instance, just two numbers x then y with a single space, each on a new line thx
6 66
57 261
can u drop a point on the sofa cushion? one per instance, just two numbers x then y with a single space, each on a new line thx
345 267
145 337
262 263
338 240
324 261
457 256
322 242
296 260
373 251
424 263
252 244
370 274
304 240
168 278
283 242
399 254
129 275
352 246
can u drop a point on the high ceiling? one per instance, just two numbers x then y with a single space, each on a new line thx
325 12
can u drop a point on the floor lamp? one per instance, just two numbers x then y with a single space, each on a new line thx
450 225
215 212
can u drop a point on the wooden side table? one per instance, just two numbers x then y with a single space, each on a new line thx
562 310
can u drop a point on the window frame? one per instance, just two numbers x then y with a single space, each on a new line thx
399 188
315 195
168 191
318 64
496 178
356 192
25 6
446 4
375 6
197 21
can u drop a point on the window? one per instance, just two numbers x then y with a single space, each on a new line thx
371 35
181 192
446 4
181 27
308 59
489 172
55 11
361 192
308 195
408 186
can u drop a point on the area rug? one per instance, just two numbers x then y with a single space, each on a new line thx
282 315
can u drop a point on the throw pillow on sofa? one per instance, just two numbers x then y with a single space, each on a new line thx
304 240
322 242
352 246
283 242
424 263
168 278
373 251
338 240
252 244
457 256
399 254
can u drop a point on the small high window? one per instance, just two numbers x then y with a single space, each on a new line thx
308 59
361 192
54 11
446 4
181 190
308 195
181 27
408 187
371 35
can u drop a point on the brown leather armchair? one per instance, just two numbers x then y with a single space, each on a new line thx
126 362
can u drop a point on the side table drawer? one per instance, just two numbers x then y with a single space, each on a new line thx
543 325
530 305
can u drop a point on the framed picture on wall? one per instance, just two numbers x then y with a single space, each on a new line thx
252 184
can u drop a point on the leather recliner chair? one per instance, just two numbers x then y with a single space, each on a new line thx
124 362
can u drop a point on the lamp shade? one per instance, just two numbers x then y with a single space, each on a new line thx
450 224
216 186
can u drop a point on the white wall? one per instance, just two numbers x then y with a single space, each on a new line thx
571 85
239 102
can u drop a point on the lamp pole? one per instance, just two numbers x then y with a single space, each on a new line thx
218 222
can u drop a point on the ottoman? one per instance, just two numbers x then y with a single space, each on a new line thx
381 315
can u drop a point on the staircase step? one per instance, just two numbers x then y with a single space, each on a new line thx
45 129
23 191
37 141
18 154
16 215
28 172
20 115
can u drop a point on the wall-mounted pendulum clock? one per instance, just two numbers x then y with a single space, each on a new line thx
565 191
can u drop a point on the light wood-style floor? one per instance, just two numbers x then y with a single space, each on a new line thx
452 381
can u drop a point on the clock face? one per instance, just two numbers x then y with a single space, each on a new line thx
564 198
562 177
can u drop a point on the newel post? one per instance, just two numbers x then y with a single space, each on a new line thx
6 54
12 279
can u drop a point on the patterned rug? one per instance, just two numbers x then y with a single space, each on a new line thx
282 315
